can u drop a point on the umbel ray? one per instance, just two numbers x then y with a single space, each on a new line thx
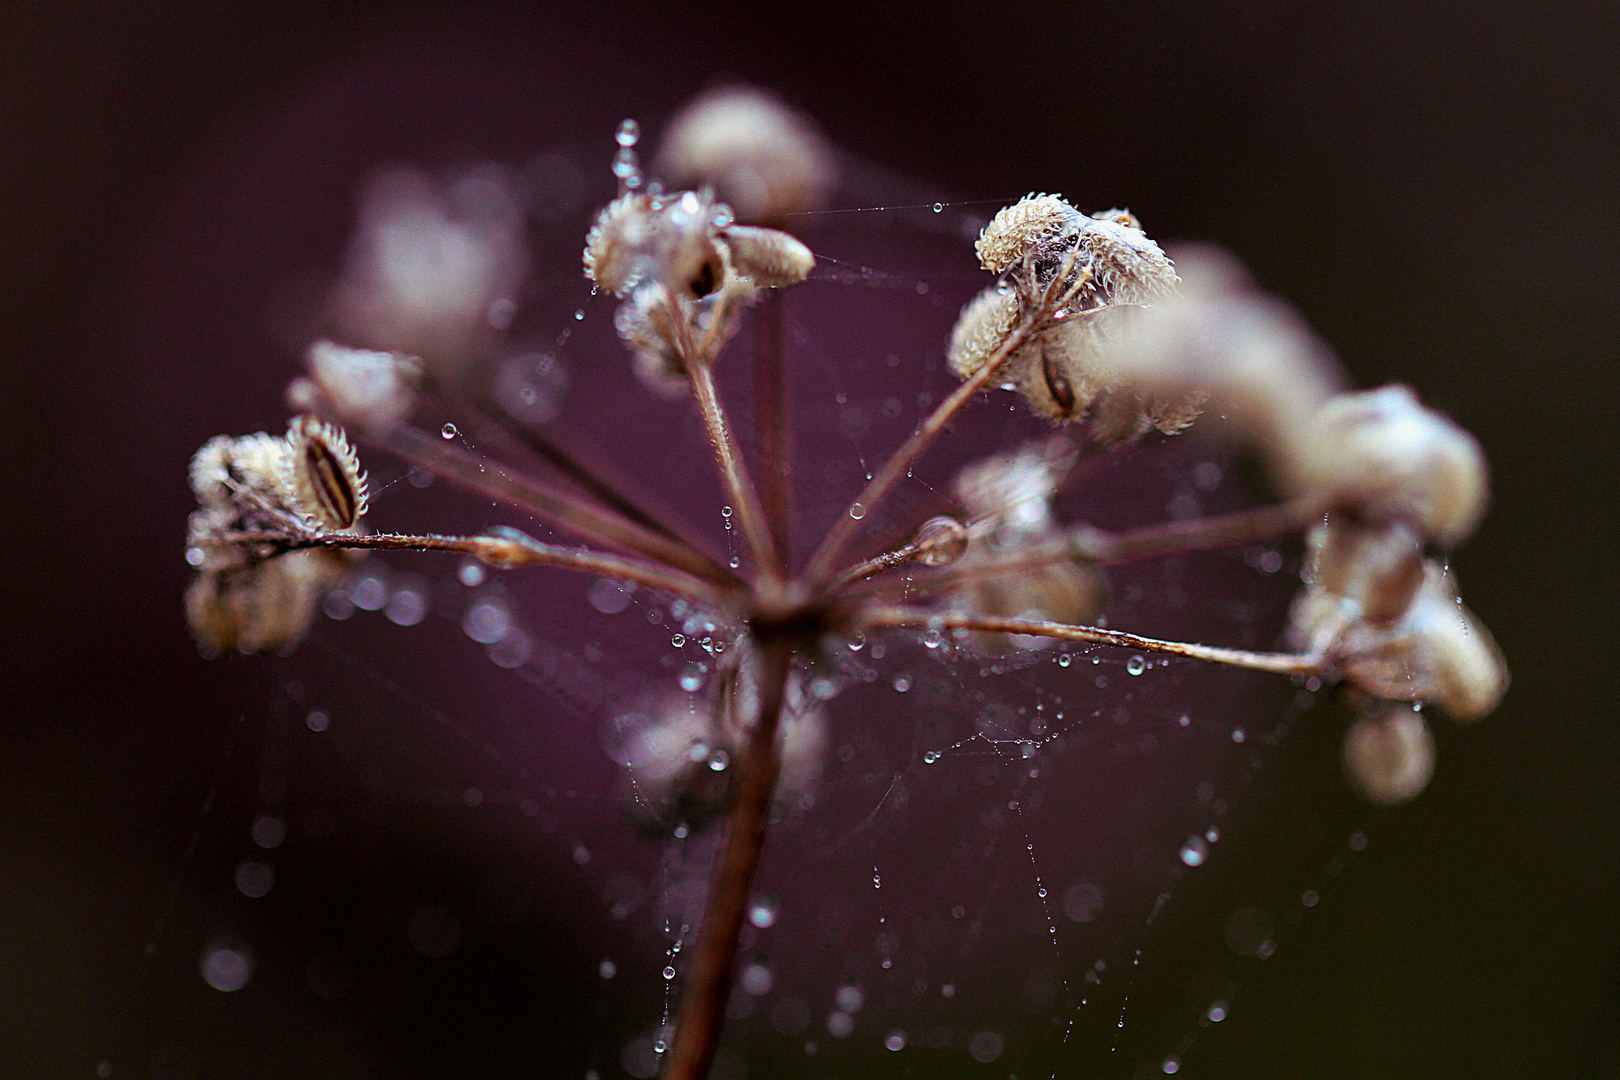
1086 318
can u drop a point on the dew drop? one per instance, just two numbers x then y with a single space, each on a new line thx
677 640
1135 665
877 882
896 1040
579 315
931 639
607 969
734 562
763 913
1217 1012
669 972
857 642
1238 735
857 511
902 683
629 132
938 207
1041 892
725 511
930 757
1065 660
448 431
1194 851
718 760
1172 1064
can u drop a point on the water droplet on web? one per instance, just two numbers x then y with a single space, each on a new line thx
902 683
877 882
718 760
1135 665
607 969
660 1046
1065 660
317 720
579 315
1194 851
857 642
677 640
939 206
1041 892
195 556
857 511
896 1040
1238 735
931 639
628 134
725 511
669 972
1217 1012
930 757
1212 834
1172 1064
448 431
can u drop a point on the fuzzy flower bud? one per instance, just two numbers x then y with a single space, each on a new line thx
760 157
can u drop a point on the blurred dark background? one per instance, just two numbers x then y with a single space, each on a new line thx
1434 187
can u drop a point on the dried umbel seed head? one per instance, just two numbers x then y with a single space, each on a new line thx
760 157
769 258
321 477
940 541
1383 455
262 606
1377 566
1389 754
1437 652
371 390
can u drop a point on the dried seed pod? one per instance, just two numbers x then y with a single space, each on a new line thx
1038 226
369 389
321 478
1436 652
1250 355
1382 455
669 240
981 328
262 606
1126 267
616 246
241 474
1389 754
769 258
759 156
1013 492
1378 566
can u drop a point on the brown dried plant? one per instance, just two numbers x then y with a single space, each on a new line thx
1087 318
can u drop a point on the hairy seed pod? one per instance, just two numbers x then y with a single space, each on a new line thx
241 473
985 322
262 606
1389 754
1436 652
769 258
1383 455
615 248
1034 225
760 157
321 479
1126 267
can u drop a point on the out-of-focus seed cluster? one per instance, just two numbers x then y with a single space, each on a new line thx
258 494
1008 500
1074 280
682 755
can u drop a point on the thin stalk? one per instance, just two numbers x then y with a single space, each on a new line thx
556 506
1093 546
1280 663
734 474
703 1001
572 462
505 548
843 530
773 438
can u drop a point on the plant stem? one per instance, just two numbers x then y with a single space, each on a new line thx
504 548
1280 663
734 474
703 1001
832 545
561 508
773 439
